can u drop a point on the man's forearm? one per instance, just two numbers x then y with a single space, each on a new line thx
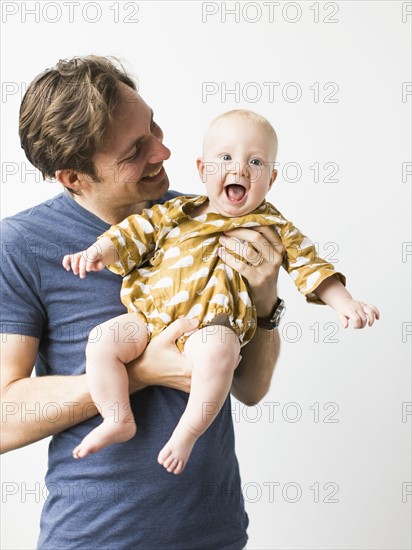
35 408
252 377
38 407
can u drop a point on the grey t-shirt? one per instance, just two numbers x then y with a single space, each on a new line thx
119 498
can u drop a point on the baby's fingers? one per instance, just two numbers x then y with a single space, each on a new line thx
72 261
95 266
76 262
372 312
83 266
359 318
343 319
67 261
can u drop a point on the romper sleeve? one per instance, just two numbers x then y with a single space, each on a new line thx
134 239
303 264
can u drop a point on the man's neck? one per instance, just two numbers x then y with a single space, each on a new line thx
109 212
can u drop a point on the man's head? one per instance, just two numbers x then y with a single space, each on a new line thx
84 123
66 112
238 163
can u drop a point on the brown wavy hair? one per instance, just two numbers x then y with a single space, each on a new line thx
66 111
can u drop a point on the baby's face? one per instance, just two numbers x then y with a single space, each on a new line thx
237 165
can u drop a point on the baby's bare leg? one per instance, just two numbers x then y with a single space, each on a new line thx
214 352
114 344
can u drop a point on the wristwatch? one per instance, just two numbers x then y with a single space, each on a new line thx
275 317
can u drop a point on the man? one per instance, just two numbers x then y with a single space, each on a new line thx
84 123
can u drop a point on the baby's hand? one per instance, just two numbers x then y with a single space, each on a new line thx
358 312
86 260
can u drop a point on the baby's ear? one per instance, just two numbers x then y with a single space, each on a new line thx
273 177
200 168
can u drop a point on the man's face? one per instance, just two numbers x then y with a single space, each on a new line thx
130 167
237 165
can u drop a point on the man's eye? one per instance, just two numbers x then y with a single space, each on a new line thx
134 155
256 162
227 157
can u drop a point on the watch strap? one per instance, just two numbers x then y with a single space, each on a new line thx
273 321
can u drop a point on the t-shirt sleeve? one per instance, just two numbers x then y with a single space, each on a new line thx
22 311
303 264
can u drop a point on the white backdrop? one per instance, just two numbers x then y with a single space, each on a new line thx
325 458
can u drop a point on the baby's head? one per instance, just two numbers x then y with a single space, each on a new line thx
238 162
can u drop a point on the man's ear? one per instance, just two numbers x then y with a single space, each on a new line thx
273 177
200 168
70 179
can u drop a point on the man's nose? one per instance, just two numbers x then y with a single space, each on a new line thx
158 153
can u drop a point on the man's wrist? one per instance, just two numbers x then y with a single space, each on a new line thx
272 321
265 303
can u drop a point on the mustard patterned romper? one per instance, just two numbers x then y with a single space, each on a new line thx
170 268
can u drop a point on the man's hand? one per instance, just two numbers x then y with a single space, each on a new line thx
258 257
262 253
359 313
162 364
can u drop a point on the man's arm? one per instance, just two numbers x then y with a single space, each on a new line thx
26 417
37 407
252 377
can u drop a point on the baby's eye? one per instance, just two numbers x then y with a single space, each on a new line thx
226 157
256 162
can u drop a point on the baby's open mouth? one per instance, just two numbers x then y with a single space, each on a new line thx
235 192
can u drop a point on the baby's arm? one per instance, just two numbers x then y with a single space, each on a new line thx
95 258
332 292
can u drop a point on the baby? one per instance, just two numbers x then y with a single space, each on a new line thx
169 260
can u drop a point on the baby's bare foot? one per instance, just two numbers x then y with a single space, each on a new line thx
109 432
176 452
